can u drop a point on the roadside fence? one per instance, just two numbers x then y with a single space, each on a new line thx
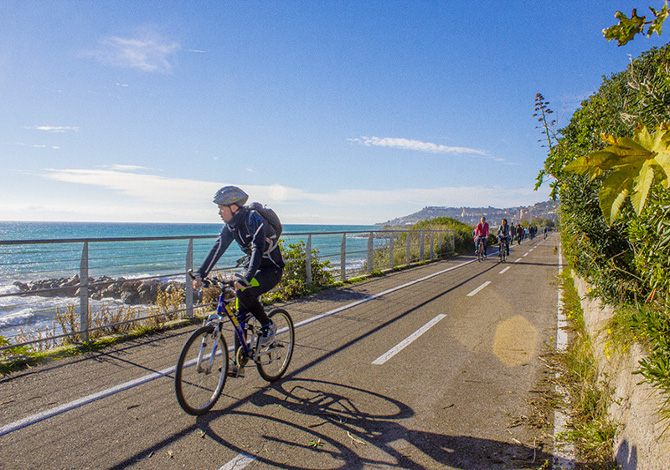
54 292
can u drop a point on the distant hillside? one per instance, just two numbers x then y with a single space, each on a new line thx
472 215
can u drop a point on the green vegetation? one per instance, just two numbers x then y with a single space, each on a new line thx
615 202
293 283
463 241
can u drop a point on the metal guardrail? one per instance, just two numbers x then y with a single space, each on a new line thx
67 268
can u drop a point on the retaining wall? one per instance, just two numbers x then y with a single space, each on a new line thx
640 443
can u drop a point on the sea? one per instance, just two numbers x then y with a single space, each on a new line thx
37 251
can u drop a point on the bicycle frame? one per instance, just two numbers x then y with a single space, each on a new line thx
223 308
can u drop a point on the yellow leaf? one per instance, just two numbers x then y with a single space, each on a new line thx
663 160
614 191
643 183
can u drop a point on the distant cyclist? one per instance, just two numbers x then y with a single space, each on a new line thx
264 266
519 233
503 234
481 232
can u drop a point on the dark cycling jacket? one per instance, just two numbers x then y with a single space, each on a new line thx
252 234
503 231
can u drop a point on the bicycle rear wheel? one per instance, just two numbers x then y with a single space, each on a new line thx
201 370
273 360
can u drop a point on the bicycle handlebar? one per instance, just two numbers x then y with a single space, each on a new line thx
206 281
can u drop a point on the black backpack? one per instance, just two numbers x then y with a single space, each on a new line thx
269 216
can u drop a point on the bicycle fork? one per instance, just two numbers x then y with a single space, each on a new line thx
209 361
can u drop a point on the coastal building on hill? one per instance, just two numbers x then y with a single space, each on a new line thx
472 215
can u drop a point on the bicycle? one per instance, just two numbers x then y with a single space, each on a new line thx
480 249
202 366
502 248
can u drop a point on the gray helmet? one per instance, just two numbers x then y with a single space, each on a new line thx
229 195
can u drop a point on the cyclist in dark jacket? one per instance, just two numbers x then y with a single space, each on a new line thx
256 238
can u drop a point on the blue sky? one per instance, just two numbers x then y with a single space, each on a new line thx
329 112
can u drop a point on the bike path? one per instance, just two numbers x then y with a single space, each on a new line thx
333 392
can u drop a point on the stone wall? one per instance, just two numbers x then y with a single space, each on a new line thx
640 443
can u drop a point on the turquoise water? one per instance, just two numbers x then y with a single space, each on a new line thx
61 257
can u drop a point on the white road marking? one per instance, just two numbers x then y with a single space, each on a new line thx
564 454
239 462
517 260
504 270
474 292
42 415
407 341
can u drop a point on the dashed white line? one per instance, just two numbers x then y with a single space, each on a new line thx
474 292
504 270
407 341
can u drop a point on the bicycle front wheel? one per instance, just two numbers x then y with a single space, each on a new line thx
273 360
201 370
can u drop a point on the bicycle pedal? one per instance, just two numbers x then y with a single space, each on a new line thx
239 373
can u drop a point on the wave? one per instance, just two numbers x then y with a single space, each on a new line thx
22 317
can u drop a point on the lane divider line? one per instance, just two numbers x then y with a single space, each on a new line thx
42 415
474 292
407 341
504 270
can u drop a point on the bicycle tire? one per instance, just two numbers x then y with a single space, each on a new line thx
273 361
198 390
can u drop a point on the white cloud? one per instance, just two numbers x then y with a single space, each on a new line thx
149 52
57 129
157 198
409 144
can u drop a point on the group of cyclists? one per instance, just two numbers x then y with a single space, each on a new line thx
507 234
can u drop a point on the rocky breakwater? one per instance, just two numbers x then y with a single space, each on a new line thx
128 291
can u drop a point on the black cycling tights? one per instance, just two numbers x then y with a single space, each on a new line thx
249 298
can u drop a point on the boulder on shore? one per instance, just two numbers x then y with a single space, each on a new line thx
130 292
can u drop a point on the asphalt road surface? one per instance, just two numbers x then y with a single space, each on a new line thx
430 367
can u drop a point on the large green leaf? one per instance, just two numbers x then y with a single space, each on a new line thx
629 164
615 190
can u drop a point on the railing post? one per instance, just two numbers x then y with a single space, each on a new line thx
188 282
391 250
308 261
343 258
409 245
422 242
83 293
370 254
432 245
439 243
